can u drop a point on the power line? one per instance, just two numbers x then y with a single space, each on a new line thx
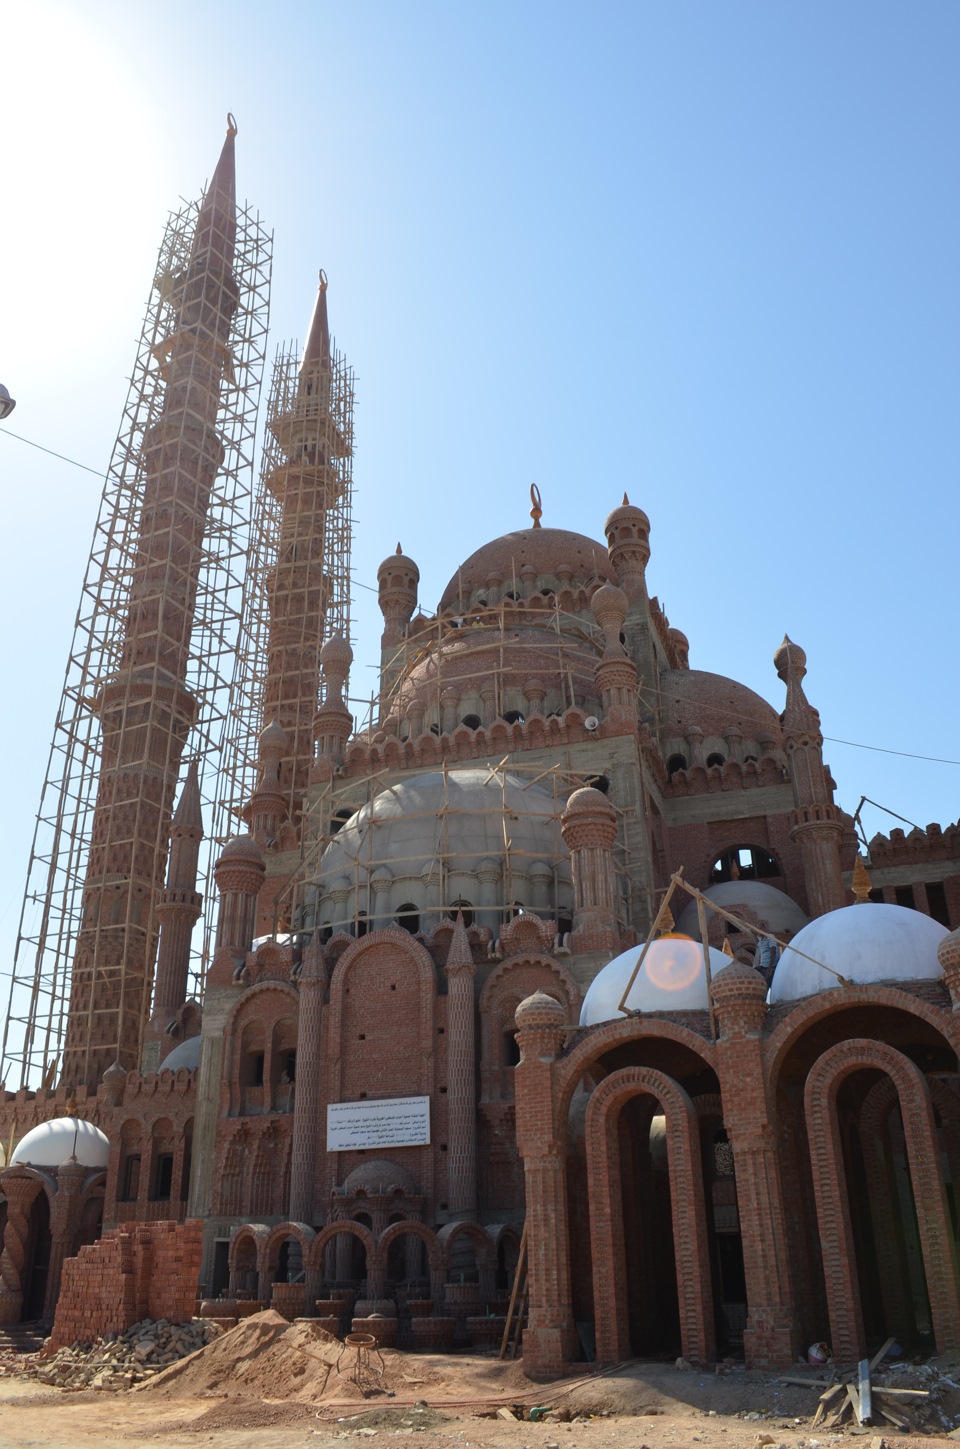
97 472
879 749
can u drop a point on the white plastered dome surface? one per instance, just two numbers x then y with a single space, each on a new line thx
672 978
53 1143
775 907
865 944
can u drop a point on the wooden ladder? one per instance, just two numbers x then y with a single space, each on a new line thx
518 1303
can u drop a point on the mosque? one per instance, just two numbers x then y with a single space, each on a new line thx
484 986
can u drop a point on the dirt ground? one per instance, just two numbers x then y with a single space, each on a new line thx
273 1385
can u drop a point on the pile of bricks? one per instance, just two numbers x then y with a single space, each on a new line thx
148 1271
119 1361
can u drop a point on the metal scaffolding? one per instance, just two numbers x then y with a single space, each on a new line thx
122 605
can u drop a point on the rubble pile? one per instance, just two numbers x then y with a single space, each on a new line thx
121 1360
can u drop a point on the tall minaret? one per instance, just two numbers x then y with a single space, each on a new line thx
308 473
178 910
816 824
146 710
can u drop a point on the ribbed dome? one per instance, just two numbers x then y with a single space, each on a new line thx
379 1175
776 909
672 978
713 703
863 943
53 1143
546 549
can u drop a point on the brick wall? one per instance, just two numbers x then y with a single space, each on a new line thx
151 1271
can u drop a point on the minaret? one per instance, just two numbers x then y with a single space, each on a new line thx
146 710
178 911
308 474
816 823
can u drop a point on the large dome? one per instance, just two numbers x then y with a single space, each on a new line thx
775 909
477 835
185 1053
672 978
864 943
53 1143
692 698
545 549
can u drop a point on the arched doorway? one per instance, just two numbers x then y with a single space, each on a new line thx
36 1263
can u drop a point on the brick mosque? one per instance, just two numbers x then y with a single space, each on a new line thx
490 966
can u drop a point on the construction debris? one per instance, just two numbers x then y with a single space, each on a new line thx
123 1359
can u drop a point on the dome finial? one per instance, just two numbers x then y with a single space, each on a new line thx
860 884
626 500
536 512
399 549
231 124
667 923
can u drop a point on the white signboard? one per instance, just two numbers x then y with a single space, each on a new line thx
387 1122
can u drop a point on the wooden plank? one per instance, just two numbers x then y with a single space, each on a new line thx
854 1398
882 1353
521 1271
902 1393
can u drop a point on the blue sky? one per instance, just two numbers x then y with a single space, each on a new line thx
701 252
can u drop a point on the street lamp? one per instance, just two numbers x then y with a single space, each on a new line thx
7 403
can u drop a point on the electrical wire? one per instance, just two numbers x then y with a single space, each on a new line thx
832 739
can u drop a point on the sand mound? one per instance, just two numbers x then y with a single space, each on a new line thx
265 1357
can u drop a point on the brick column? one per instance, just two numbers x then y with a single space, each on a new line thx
20 1193
461 1076
309 1093
550 1340
64 1220
772 1334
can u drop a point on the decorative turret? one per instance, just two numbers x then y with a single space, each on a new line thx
268 802
816 823
239 874
589 827
948 954
740 1000
333 721
616 674
178 910
398 578
627 531
308 1100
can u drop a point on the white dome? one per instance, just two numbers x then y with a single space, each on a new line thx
671 979
864 943
185 1054
54 1142
775 907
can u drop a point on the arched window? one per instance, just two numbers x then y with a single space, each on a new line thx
675 763
466 907
715 759
408 916
745 862
339 819
472 721
363 925
513 716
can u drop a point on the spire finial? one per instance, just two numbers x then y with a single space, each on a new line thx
536 512
626 500
399 549
667 923
323 280
231 124
726 948
860 884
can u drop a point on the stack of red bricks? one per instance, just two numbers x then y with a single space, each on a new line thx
151 1271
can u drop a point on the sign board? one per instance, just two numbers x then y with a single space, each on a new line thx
387 1122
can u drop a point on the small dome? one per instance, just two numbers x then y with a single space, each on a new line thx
274 736
778 911
336 655
185 1054
672 979
398 561
547 550
379 1175
242 847
54 1142
586 801
626 513
864 944
539 1010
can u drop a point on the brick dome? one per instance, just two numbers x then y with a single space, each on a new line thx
379 1175
241 848
865 943
546 549
539 1010
693 698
